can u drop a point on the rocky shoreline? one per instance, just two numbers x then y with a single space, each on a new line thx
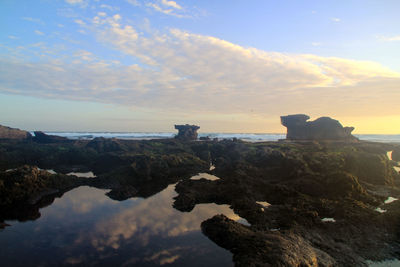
318 200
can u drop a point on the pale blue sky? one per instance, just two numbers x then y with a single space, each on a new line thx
233 66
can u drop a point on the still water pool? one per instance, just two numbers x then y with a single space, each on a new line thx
85 227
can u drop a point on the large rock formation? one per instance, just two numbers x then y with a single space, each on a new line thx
13 133
43 138
324 128
187 132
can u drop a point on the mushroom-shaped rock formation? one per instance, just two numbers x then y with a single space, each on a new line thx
187 132
13 133
324 128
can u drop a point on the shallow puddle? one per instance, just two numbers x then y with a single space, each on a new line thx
380 210
390 200
83 174
206 176
328 220
86 227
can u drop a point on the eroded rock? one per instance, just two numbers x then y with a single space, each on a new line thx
187 132
324 128
13 133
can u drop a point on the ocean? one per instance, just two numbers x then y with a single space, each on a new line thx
250 137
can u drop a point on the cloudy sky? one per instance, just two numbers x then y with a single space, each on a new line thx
228 66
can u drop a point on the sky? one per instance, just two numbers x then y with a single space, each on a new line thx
228 66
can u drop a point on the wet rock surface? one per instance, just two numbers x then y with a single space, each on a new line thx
303 183
324 128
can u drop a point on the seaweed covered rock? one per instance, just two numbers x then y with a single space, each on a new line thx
324 128
101 144
27 184
187 132
13 133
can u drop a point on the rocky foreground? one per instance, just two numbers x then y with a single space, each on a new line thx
309 203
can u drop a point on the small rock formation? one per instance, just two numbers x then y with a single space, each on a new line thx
324 128
13 133
187 132
41 137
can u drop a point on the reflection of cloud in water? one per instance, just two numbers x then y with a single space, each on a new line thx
390 200
79 200
389 155
83 174
380 210
328 220
152 217
206 176
85 226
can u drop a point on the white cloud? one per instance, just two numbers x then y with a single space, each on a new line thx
388 38
172 4
336 19
80 22
170 8
38 32
35 20
133 2
192 73
316 44
74 2
80 3
111 8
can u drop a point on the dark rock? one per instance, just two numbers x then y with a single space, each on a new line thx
24 190
28 184
41 137
122 193
13 133
252 248
304 183
324 128
101 144
187 132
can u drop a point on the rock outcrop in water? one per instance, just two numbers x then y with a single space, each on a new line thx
324 128
187 132
13 133
24 190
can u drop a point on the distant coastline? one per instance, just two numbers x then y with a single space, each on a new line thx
250 137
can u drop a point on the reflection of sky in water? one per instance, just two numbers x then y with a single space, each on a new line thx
206 176
86 227
83 174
